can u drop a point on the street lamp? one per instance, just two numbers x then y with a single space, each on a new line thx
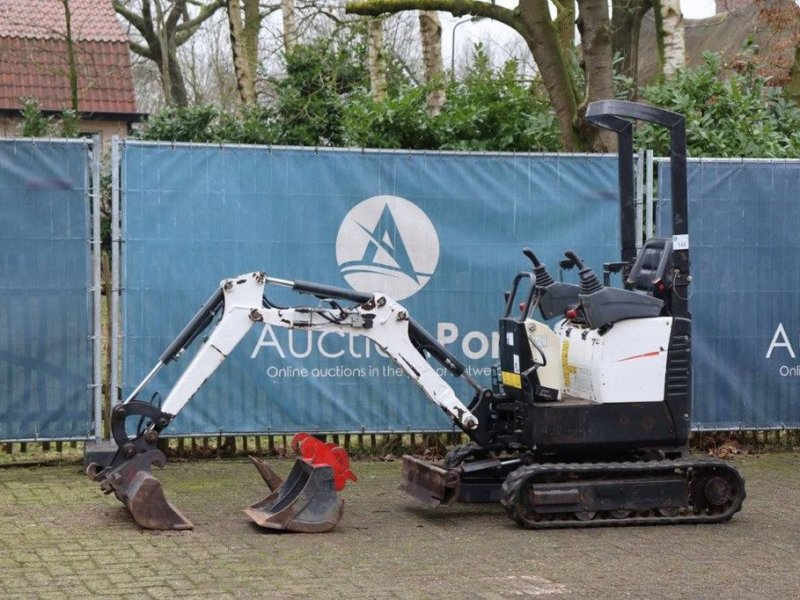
453 43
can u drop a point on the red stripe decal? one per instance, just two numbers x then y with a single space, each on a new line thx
646 355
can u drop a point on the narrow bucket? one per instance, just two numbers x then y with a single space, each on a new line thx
429 484
306 501
140 492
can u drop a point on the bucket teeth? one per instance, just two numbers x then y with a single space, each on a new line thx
429 484
306 501
141 493
270 477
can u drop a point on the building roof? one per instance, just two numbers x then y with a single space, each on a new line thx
33 56
726 33
92 20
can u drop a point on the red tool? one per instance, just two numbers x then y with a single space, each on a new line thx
318 453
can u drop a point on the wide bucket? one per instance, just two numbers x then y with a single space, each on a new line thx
140 492
428 483
306 501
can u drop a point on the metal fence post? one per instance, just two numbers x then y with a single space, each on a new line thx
97 341
649 220
639 197
115 275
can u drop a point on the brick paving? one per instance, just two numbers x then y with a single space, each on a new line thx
60 537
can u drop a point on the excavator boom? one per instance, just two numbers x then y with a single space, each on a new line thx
240 303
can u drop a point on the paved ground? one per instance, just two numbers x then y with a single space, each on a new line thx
60 537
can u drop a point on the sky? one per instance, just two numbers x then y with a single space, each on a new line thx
503 41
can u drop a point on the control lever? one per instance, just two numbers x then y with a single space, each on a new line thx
553 298
589 283
613 267
543 278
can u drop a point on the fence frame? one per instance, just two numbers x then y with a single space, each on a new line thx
645 197
91 181
653 164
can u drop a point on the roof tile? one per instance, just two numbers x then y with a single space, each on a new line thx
33 61
39 69
92 20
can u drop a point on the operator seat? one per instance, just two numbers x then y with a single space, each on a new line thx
651 273
646 292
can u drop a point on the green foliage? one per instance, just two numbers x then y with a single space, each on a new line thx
491 109
495 110
737 116
189 124
307 111
400 121
36 124
324 100
206 123
312 96
250 125
68 126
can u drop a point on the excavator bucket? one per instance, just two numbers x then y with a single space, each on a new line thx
140 492
306 501
428 483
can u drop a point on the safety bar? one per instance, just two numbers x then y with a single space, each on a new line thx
614 115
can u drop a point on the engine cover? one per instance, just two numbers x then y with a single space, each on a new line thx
625 363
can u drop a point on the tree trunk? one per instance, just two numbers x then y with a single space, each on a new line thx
172 81
72 69
540 35
670 30
565 21
431 34
377 61
289 26
163 33
252 28
164 58
245 80
177 84
626 23
791 89
595 28
783 21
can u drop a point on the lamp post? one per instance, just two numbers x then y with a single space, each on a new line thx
453 43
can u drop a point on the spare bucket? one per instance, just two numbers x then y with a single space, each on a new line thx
306 501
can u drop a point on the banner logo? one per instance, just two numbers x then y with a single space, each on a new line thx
387 244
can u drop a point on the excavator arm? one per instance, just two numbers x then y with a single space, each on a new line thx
377 317
240 303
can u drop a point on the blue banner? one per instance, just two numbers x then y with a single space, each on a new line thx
45 358
440 232
744 219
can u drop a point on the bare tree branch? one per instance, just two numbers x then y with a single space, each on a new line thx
458 8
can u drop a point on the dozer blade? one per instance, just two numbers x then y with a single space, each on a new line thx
140 492
306 501
428 483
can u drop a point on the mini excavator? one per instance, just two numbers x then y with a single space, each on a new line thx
586 422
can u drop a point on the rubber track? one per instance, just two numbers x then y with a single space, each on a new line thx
515 483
